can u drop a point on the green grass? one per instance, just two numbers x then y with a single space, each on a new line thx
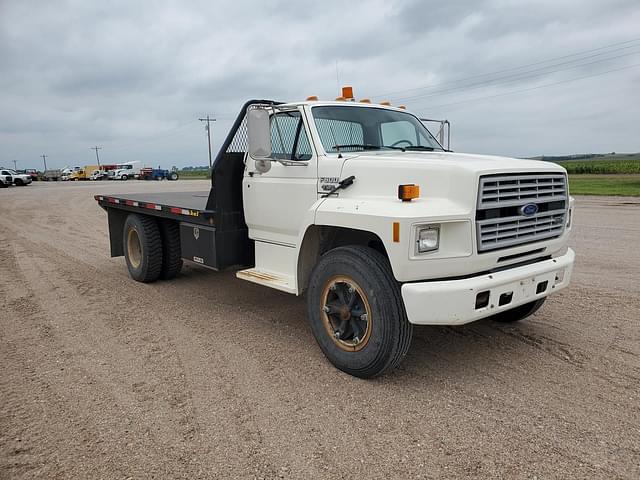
193 174
624 185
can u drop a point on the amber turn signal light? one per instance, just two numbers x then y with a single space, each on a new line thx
408 192
347 92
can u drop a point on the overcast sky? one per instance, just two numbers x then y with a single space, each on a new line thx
514 77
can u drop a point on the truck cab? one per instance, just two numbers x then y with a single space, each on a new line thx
359 207
125 171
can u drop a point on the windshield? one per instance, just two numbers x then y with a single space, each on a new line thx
349 129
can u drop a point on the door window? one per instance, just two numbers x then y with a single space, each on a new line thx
289 139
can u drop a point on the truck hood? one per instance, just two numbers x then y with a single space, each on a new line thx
444 175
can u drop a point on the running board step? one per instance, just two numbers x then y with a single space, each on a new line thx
268 279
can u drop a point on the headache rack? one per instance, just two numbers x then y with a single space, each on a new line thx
516 209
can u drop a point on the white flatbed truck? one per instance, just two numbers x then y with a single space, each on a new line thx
358 206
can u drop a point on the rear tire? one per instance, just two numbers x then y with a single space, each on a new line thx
519 313
171 251
356 311
142 248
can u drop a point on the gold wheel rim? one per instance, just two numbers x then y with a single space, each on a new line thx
134 248
346 313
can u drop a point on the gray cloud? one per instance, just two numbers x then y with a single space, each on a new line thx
134 79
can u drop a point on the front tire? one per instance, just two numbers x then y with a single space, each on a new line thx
142 248
519 313
123 177
356 312
19 182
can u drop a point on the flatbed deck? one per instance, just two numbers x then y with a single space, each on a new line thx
178 205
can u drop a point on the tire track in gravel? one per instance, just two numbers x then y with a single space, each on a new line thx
98 399
223 381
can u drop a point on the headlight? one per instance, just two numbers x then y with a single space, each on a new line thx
428 238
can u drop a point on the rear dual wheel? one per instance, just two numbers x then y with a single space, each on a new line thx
356 312
151 249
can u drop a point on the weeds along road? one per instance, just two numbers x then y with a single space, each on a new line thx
209 376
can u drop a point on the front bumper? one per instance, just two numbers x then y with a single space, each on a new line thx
453 302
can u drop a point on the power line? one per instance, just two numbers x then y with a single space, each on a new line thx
208 127
96 148
514 77
536 87
391 94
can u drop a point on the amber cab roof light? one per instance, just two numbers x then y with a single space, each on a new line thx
347 92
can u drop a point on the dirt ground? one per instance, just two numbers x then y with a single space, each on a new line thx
209 376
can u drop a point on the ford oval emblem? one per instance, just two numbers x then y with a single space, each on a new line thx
529 209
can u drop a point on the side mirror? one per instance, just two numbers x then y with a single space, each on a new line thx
259 132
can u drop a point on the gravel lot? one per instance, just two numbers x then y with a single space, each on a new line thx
209 376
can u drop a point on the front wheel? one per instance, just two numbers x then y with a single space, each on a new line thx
356 312
124 177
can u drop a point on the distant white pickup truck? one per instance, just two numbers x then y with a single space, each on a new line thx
359 207
19 179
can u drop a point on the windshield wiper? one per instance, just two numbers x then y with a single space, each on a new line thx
420 147
366 146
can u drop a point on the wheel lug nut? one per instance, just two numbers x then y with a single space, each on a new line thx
336 334
351 290
364 317
325 309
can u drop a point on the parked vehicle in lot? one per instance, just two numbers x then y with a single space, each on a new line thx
148 173
52 175
6 180
360 207
33 172
125 171
19 179
83 173
99 175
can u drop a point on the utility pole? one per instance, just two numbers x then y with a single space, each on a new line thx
208 127
44 158
96 148
15 164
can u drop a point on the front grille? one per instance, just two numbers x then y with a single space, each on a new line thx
510 190
500 220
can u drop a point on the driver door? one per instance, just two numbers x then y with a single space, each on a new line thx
277 201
